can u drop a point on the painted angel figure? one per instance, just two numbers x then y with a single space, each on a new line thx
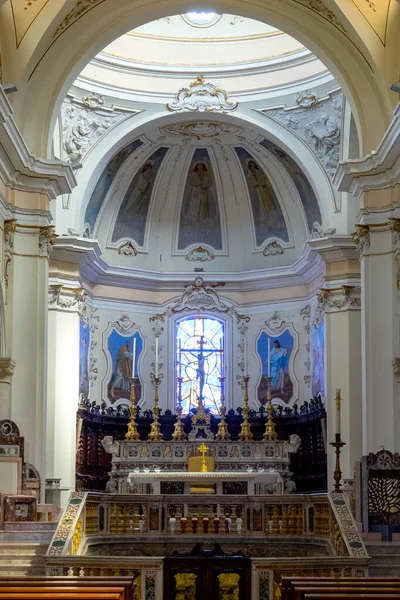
199 208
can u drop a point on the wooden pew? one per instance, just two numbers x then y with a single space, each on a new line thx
297 587
351 596
120 588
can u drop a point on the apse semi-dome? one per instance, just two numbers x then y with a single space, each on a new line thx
201 194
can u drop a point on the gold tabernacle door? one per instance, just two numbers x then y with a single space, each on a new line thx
198 464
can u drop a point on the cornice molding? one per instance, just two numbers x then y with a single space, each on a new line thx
377 170
94 270
335 248
22 170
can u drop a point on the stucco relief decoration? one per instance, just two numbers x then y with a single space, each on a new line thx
94 325
200 296
305 313
80 8
9 232
361 238
276 322
47 240
317 121
200 254
64 297
201 129
202 97
7 367
124 324
242 325
84 121
319 7
347 296
127 249
394 225
317 231
273 249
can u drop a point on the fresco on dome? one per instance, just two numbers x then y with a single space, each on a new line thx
104 183
318 354
120 349
267 214
301 182
281 349
132 215
200 220
84 343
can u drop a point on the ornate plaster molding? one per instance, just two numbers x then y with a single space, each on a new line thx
201 129
47 239
362 239
84 121
7 367
22 170
272 249
62 296
202 97
199 254
10 226
317 121
378 170
336 299
305 313
80 8
276 323
396 367
127 249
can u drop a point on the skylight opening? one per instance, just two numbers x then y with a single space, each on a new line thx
201 19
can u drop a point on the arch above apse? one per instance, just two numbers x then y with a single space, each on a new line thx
61 54
96 162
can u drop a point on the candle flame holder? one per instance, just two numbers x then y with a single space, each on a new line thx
337 474
132 434
155 434
270 433
179 434
245 434
222 433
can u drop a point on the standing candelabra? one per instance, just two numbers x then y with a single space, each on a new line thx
132 434
270 433
155 434
338 445
222 433
179 433
245 434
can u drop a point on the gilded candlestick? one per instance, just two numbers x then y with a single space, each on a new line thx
222 433
337 474
155 434
245 434
179 433
270 433
132 434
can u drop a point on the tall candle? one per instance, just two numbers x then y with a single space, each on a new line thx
245 356
157 356
269 357
338 411
134 357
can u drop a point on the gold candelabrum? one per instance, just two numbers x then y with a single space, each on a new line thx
270 433
132 434
179 432
245 434
222 433
155 434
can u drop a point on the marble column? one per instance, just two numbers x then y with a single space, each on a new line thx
339 304
65 306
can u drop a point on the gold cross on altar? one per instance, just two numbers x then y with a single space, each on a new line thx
203 449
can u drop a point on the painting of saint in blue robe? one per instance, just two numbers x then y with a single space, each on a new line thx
268 219
105 181
120 348
301 182
317 341
200 221
132 215
84 342
281 348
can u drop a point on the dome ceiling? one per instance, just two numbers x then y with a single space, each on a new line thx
201 193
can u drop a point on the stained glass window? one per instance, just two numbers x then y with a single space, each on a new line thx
200 361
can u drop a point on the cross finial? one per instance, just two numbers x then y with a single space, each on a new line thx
203 449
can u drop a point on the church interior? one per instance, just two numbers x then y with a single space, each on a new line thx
199 299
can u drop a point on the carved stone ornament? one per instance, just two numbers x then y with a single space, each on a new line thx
272 249
202 97
318 232
7 367
9 231
200 296
347 296
307 99
124 323
65 297
93 101
47 239
127 249
199 254
361 238
201 129
394 225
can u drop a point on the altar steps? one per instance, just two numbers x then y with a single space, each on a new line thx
17 558
385 558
